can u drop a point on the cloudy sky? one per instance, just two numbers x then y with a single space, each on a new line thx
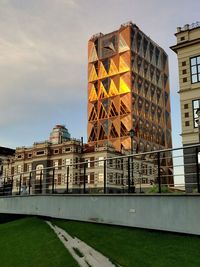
43 59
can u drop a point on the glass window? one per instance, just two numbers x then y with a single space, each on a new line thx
194 78
19 168
67 162
195 105
193 61
101 162
29 167
195 69
39 171
55 163
87 161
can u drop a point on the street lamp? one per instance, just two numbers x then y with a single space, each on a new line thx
132 134
198 121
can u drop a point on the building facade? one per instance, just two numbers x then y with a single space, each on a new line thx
128 88
188 54
5 154
60 165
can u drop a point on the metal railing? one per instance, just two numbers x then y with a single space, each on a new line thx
163 171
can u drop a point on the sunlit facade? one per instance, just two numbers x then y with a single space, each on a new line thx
128 88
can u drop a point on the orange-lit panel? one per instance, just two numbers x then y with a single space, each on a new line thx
102 91
92 74
113 89
113 69
123 67
102 72
93 94
123 87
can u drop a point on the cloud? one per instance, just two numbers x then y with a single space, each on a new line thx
43 57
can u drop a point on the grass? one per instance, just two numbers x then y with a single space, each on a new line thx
132 247
30 242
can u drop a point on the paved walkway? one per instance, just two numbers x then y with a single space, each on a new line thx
85 255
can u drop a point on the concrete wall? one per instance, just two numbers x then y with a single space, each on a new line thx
178 213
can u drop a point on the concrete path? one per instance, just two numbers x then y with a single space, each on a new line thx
85 255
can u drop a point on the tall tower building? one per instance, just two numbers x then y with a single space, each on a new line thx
128 88
188 53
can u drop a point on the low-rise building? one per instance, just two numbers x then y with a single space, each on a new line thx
62 164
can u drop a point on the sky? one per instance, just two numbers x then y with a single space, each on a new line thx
43 59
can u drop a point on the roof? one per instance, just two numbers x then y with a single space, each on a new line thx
6 151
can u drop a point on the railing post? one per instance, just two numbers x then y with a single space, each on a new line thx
84 178
104 168
20 181
41 182
53 180
67 189
11 184
159 180
197 169
129 176
4 180
29 184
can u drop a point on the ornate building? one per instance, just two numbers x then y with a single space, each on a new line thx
128 88
187 49
61 161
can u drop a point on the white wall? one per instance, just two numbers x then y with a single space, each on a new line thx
178 213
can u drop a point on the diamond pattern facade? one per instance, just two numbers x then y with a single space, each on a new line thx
128 88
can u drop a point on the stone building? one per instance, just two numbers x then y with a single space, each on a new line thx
60 165
188 54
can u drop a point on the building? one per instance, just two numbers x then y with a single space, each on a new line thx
188 54
5 154
60 165
128 88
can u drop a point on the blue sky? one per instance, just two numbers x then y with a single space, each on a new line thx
43 59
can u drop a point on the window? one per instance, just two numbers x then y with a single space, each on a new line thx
55 164
184 80
87 161
195 69
185 106
19 168
110 163
183 63
182 38
101 177
195 106
29 155
40 152
187 115
67 162
187 123
39 171
184 71
29 167
67 149
56 151
101 162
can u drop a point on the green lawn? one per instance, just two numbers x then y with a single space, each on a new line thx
131 247
30 242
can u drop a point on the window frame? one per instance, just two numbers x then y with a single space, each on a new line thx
194 112
197 65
